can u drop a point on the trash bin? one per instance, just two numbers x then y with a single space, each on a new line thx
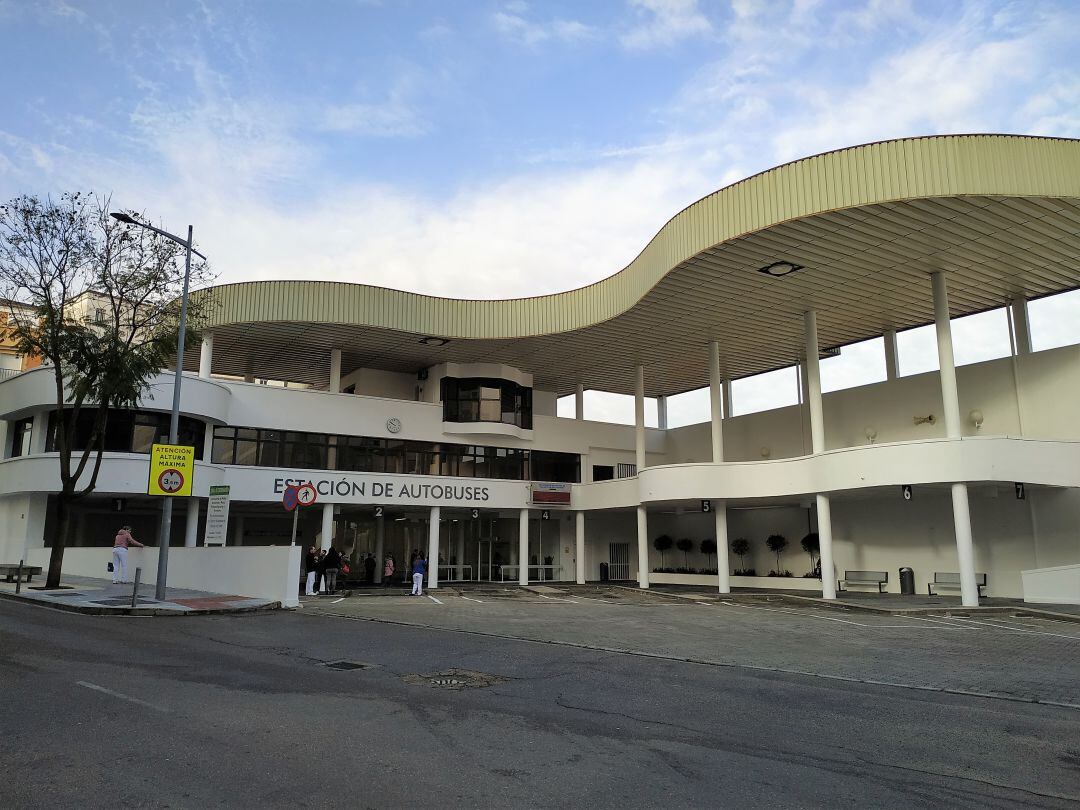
907 581
603 572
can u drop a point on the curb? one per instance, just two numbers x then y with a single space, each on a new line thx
88 610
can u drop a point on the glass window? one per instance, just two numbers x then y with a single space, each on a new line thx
20 437
486 400
564 467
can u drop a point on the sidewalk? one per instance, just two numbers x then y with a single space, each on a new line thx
102 598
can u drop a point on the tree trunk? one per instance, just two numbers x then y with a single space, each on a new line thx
56 558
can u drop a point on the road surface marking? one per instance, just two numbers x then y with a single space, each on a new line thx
480 601
1013 629
128 698
553 599
843 621
342 599
433 599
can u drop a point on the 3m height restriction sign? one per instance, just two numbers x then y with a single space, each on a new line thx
172 468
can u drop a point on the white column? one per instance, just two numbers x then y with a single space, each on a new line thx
335 372
208 442
892 358
206 354
579 402
460 555
965 551
327 526
639 417
5 437
191 527
523 547
804 383
579 546
723 568
728 402
813 382
642 547
828 569
716 409
39 432
1021 326
380 548
661 413
433 547
817 432
238 530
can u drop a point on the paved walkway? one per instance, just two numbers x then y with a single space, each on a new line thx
102 597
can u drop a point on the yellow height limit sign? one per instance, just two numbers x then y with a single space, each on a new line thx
172 467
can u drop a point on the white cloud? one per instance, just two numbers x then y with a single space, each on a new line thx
512 23
393 119
664 23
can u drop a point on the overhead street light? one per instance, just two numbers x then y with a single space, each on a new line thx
174 419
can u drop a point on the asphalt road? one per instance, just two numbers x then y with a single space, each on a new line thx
240 711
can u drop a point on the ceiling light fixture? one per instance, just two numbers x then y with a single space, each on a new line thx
434 341
780 268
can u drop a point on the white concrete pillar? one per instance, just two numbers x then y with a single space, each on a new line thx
813 382
208 442
661 413
639 417
238 530
728 401
723 567
206 355
643 547
949 396
817 432
39 432
433 547
191 527
965 552
716 409
523 547
892 358
380 548
1021 326
335 372
803 382
460 554
5 438
579 546
579 402
327 533
965 547
825 547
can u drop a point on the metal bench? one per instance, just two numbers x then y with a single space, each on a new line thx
879 578
950 579
10 571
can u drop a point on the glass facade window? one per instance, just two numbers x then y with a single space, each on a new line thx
20 437
318 451
486 400
129 431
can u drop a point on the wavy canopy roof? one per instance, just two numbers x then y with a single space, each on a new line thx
1000 214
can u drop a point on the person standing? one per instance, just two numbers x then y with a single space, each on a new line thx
331 566
419 568
369 569
123 541
311 560
388 570
320 572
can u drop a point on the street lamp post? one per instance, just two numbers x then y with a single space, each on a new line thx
174 419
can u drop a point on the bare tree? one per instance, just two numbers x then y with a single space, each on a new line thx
100 306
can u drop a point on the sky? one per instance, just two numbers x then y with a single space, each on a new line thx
502 149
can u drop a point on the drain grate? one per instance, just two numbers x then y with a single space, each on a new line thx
345 666
455 679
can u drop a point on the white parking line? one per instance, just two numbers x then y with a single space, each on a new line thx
342 599
128 698
480 601
433 599
1014 629
834 619
553 599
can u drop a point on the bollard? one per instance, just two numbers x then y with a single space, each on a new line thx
18 579
135 590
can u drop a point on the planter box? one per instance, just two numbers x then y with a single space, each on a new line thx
768 583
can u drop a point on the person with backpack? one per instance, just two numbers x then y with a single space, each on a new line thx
419 568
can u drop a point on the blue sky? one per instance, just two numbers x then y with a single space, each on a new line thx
490 149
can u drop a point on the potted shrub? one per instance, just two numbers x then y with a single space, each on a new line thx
662 543
684 545
708 548
740 546
811 544
777 543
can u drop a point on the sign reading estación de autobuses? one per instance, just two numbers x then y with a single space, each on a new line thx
172 468
373 488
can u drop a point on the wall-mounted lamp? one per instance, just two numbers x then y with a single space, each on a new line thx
924 420
976 417
765 452
871 434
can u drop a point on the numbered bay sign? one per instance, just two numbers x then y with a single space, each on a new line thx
906 489
706 506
